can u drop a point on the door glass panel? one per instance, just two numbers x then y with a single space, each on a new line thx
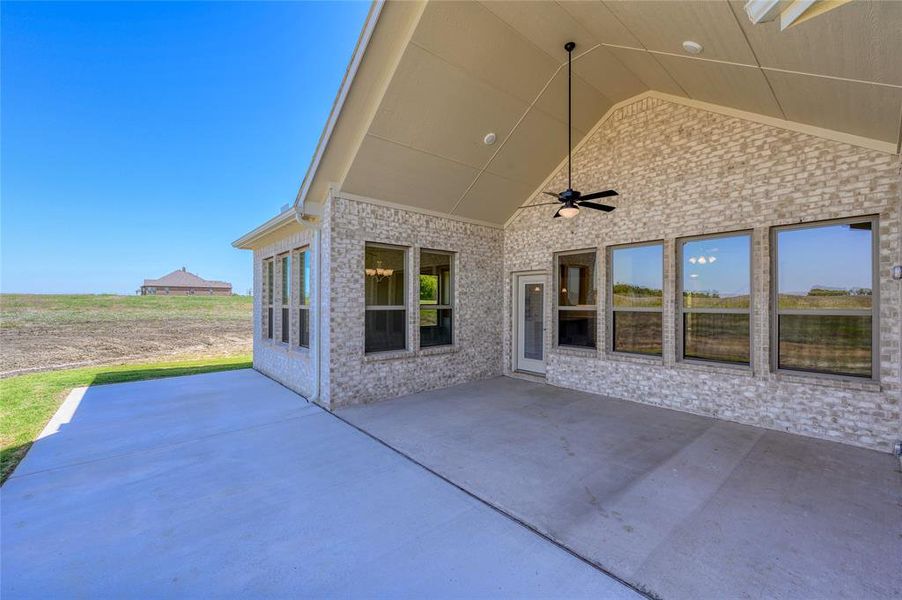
533 316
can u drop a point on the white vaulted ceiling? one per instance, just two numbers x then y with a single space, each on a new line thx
463 69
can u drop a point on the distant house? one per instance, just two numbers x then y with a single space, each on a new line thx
183 283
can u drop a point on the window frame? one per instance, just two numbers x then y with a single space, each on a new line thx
296 305
579 307
874 312
269 289
452 283
284 304
681 310
405 250
609 299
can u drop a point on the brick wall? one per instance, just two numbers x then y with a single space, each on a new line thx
681 172
289 364
476 354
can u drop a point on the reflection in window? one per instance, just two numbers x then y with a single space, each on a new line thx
302 297
715 309
636 291
824 290
436 299
576 313
384 292
268 272
285 262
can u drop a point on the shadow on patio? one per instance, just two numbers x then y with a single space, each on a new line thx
681 505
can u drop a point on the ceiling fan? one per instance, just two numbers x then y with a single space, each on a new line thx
571 199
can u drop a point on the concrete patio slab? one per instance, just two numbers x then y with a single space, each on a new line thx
681 505
227 485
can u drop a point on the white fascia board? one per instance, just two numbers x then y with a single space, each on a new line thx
762 11
281 219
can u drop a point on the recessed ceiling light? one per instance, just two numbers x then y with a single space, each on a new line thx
489 139
692 47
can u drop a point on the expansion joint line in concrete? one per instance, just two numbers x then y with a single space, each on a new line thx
633 586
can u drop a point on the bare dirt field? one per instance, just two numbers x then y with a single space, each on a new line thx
42 332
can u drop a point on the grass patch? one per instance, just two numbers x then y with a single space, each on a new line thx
20 310
28 401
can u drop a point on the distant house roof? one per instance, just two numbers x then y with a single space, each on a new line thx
184 278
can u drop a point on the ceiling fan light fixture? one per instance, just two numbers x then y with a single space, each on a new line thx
570 211
572 200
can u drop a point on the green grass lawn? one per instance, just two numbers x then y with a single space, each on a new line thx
17 310
28 401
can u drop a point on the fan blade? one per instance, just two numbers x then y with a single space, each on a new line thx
552 194
539 204
603 207
557 215
604 194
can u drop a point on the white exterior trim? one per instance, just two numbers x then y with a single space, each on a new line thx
343 91
280 220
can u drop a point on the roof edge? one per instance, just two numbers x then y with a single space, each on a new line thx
246 241
362 42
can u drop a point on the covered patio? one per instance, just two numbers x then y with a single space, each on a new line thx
679 505
229 485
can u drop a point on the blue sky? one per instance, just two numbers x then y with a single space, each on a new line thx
640 265
728 273
834 257
140 138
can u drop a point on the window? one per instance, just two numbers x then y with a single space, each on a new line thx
576 313
267 297
385 294
714 308
436 299
302 297
824 276
285 263
636 292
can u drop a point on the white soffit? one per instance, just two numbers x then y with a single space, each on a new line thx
664 26
471 68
